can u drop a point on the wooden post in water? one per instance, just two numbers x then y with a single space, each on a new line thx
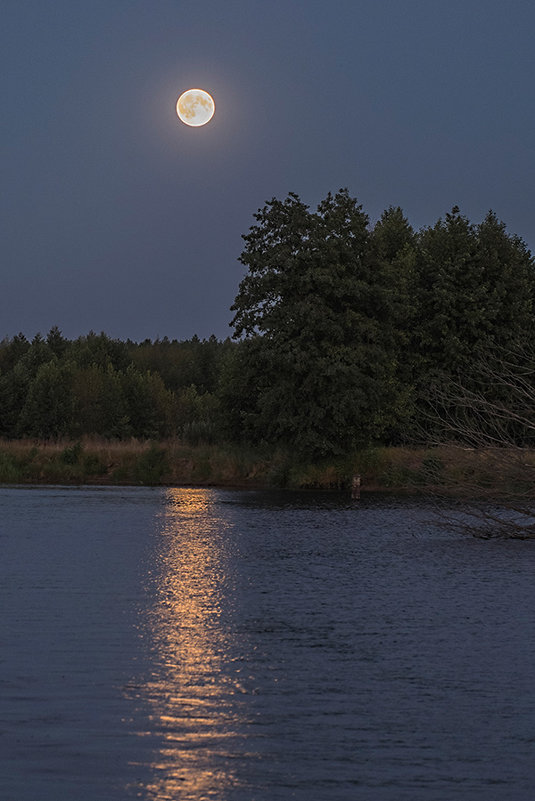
355 487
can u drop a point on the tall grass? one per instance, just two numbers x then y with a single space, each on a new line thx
174 462
95 461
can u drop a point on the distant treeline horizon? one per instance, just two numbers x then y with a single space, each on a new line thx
340 330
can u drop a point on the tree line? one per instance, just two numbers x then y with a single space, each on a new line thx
53 387
340 327
346 326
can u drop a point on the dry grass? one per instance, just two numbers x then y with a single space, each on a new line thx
99 461
172 462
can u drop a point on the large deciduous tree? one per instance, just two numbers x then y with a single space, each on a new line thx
315 370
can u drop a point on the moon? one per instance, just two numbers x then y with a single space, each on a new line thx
195 107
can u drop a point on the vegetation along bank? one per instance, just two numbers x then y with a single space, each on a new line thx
356 347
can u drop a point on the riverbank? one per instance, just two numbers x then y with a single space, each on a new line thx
167 463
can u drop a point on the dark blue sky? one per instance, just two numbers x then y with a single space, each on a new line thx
117 217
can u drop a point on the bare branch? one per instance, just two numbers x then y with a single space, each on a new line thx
491 414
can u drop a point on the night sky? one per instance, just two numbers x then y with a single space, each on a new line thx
116 217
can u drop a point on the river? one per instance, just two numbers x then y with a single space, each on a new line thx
198 644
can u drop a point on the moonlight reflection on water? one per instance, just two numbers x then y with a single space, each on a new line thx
195 681
192 644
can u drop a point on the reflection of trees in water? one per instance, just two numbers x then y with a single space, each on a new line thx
193 690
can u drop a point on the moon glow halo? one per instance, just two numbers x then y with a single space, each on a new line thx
195 107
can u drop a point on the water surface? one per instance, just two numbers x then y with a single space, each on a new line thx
256 646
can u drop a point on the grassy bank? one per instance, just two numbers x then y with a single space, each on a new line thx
171 462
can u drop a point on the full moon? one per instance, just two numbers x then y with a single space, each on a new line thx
195 107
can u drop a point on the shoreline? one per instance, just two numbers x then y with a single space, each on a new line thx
95 462
443 469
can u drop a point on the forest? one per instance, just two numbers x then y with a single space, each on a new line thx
344 333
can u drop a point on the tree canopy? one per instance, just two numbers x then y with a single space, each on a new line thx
343 322
318 312
340 327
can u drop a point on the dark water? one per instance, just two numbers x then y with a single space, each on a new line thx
203 644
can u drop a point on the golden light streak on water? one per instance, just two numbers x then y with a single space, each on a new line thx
192 693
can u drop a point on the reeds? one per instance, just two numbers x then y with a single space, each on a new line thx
96 461
173 462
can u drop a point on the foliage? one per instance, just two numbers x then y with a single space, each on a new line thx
152 465
318 368
53 387
340 328
475 290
